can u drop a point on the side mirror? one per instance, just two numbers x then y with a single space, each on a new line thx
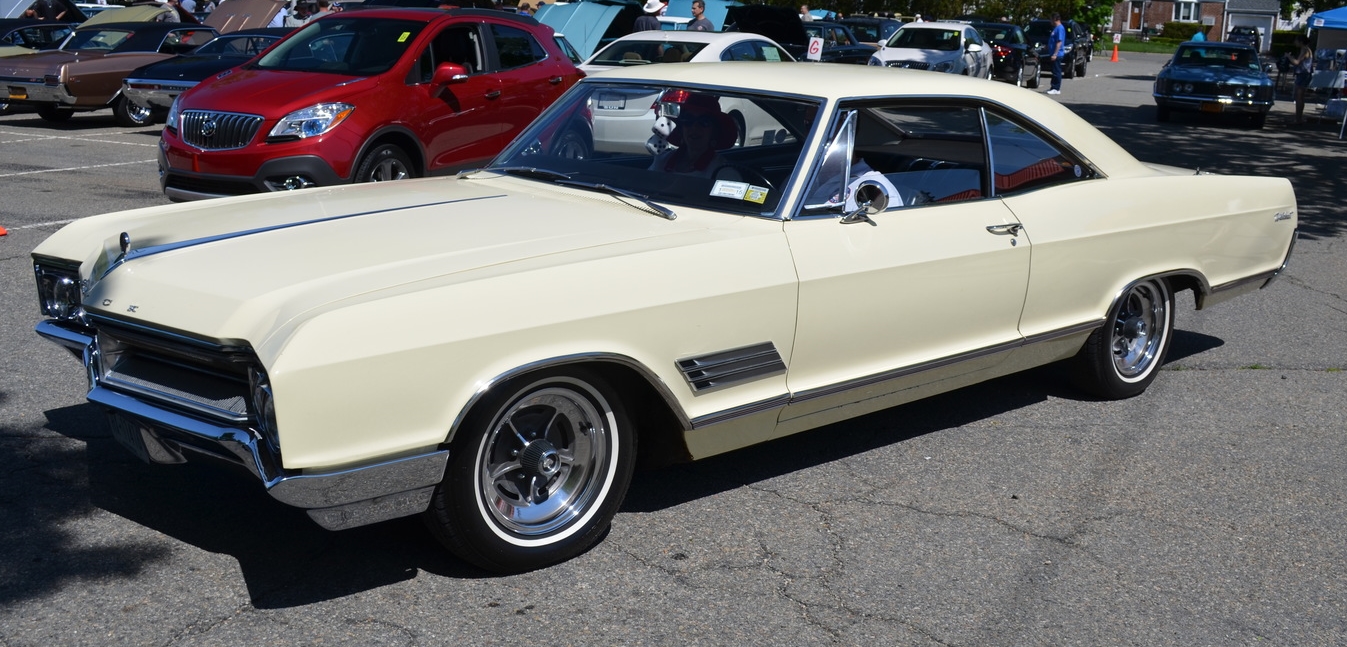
871 198
447 73
974 47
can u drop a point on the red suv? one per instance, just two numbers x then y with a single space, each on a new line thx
364 96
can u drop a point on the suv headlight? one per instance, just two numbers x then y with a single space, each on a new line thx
59 292
171 121
311 121
943 66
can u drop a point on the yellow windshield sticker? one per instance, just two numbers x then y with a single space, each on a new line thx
404 36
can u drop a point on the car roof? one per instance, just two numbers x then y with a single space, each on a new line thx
936 25
709 37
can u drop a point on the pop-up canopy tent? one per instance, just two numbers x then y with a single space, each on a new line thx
1332 28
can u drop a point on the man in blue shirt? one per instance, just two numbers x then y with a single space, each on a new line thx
1056 45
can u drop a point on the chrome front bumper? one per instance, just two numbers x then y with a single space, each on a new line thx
336 499
38 93
153 93
1213 104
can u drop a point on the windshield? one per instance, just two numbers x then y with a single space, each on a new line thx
641 52
97 39
1216 57
352 46
675 145
237 45
945 40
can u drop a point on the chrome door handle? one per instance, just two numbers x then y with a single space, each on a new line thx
1013 229
493 94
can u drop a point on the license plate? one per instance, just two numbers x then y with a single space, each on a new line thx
1213 107
18 94
127 432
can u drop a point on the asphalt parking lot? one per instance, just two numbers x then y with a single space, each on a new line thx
1211 510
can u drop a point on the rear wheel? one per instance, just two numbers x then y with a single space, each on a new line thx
1122 358
1019 76
1080 69
538 470
572 145
384 164
1037 79
54 114
130 115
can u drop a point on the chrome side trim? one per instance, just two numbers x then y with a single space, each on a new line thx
868 380
1295 235
721 369
743 411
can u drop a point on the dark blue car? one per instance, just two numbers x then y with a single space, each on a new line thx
1214 78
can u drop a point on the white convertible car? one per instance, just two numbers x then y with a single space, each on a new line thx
494 350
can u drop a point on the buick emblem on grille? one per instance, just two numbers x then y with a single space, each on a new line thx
208 127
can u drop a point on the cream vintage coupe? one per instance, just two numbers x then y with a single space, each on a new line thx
493 350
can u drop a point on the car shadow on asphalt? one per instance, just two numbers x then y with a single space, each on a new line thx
286 560
1309 155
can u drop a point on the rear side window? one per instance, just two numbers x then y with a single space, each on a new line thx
516 47
1022 161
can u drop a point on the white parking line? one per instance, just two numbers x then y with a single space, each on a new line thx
74 168
39 225
30 136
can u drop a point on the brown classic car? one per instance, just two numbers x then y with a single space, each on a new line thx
86 72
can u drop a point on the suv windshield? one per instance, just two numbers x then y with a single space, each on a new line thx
715 150
352 46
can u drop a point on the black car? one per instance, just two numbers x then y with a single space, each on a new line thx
1077 51
784 26
1246 35
1014 60
155 86
871 30
840 45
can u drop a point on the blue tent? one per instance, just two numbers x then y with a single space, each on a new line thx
1332 19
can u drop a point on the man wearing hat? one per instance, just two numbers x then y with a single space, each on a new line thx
650 19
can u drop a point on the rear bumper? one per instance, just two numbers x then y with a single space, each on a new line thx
336 499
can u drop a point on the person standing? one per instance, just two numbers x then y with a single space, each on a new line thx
805 16
1199 36
649 21
1056 45
699 21
1302 65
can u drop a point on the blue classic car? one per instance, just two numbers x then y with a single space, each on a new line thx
1214 78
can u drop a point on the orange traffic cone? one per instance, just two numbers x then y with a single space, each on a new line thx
3 231
1115 54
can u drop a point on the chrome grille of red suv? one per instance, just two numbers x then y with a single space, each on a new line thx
216 131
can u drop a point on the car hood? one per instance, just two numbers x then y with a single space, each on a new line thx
923 55
250 90
241 268
187 68
1211 74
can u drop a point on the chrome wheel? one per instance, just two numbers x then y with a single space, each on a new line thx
1121 358
1139 330
543 463
385 163
131 115
536 472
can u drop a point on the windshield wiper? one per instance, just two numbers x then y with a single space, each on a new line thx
659 210
526 171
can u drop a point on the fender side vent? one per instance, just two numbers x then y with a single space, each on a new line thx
728 367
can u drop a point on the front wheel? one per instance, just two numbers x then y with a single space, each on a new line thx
1121 358
536 473
1080 69
130 115
384 164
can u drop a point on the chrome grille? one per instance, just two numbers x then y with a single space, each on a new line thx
217 131
204 379
911 65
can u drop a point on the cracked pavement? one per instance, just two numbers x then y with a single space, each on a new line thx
1208 511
